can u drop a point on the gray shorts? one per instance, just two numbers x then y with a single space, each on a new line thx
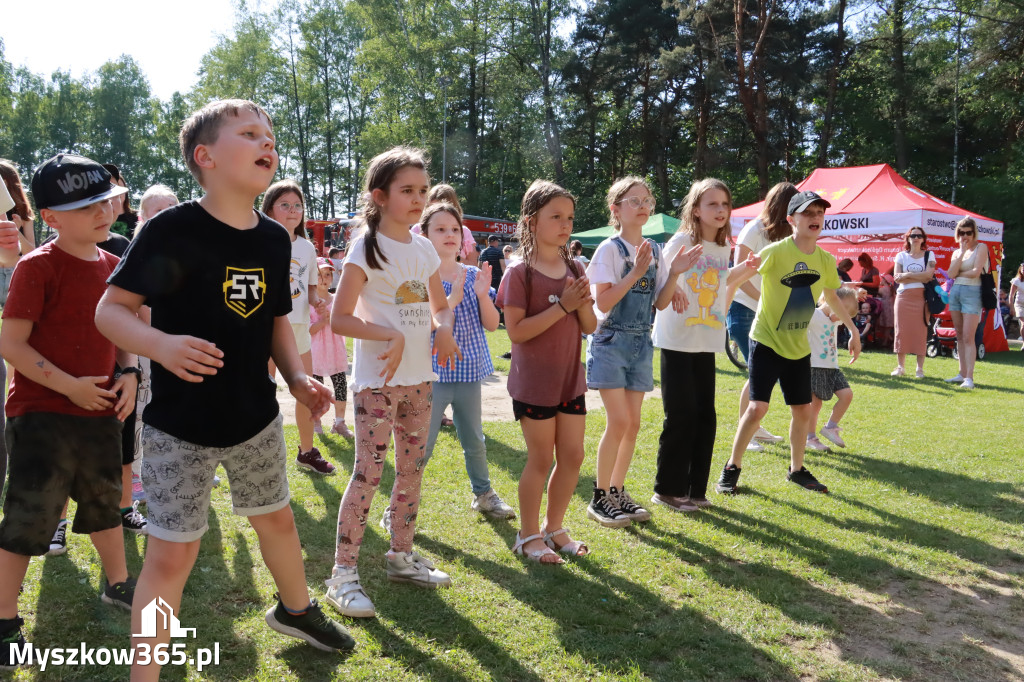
825 381
178 477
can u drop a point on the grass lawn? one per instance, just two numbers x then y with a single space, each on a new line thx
911 569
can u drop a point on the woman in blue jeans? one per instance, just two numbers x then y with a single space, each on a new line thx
468 290
966 267
771 226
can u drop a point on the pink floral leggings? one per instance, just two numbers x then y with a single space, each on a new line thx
379 411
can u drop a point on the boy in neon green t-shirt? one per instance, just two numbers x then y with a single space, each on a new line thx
794 272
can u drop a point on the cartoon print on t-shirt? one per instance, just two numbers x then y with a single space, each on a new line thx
705 285
244 289
297 277
801 301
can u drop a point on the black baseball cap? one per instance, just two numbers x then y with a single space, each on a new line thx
68 181
493 238
801 200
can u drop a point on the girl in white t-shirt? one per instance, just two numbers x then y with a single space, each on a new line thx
389 297
283 202
688 343
826 377
629 277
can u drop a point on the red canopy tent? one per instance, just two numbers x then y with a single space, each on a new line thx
872 208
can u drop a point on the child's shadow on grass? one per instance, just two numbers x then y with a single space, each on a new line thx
1003 501
850 624
618 625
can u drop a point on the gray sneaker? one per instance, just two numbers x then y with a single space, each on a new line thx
490 504
410 567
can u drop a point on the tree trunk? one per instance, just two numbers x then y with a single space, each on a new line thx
750 84
899 84
833 80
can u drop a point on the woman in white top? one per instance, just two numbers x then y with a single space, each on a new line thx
915 265
966 267
1016 299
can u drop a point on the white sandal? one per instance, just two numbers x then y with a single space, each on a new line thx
572 548
519 548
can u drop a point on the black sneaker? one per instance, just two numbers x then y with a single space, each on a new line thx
604 510
59 543
313 627
728 480
10 633
132 520
805 479
630 508
119 594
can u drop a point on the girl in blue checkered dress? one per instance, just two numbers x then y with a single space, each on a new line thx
469 294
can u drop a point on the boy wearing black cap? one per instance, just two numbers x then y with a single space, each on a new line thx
214 273
794 272
65 406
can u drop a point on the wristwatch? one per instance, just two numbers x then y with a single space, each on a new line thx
128 370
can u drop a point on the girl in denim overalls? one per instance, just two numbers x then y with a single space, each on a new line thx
629 277
688 343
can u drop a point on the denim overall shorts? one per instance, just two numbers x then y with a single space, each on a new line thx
620 354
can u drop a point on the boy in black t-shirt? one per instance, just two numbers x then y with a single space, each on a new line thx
214 273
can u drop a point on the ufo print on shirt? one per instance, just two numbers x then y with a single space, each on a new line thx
801 300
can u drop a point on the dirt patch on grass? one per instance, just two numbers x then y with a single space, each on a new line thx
971 630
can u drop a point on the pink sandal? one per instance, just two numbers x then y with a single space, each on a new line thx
572 548
519 549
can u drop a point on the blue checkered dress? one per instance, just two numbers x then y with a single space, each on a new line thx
469 334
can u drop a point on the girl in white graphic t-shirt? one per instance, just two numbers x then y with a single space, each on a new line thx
688 343
389 298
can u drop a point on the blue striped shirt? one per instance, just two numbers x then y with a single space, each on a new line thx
469 334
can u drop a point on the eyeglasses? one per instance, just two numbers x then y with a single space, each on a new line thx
916 236
637 202
964 233
287 208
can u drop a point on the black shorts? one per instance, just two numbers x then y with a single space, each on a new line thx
128 454
767 367
52 457
577 405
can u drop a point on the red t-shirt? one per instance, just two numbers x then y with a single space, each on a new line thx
58 293
546 370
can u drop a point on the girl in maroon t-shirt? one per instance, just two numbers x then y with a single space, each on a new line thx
547 307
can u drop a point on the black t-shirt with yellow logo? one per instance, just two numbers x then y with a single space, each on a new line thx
206 279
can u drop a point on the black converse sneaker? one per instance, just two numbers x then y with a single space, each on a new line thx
630 508
10 636
605 511
728 480
133 520
59 543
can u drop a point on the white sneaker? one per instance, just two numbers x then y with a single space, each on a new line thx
954 380
832 434
754 446
968 383
765 437
346 594
490 504
410 567
385 521
898 372
814 444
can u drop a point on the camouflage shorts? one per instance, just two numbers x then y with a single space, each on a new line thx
178 477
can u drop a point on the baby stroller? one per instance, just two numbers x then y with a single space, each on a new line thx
942 338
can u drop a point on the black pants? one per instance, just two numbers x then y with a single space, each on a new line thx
688 432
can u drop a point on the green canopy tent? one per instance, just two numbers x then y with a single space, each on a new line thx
658 227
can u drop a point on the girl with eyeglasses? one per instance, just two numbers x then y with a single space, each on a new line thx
914 266
966 267
283 203
629 277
